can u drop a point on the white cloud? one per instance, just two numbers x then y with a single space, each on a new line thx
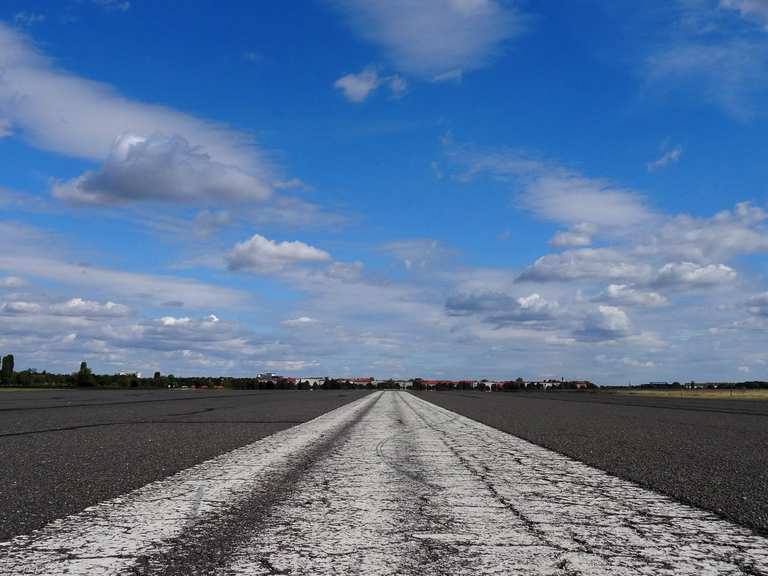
568 197
88 308
586 263
398 86
634 363
261 254
357 87
12 282
709 240
161 168
300 321
27 18
578 236
713 56
292 184
117 5
173 321
625 295
431 38
499 308
555 192
21 307
691 275
5 128
145 288
290 365
729 73
59 111
752 9
418 254
207 221
667 158
758 304
605 323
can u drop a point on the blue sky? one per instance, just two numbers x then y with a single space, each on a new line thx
436 188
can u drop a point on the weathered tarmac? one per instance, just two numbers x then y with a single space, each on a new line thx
709 453
390 484
63 450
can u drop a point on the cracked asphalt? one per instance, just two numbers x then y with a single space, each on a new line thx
63 450
709 453
390 484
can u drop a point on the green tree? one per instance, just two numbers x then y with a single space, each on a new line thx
84 375
6 372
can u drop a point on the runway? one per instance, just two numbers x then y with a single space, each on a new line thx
389 484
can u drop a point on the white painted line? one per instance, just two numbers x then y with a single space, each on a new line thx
106 538
409 488
417 489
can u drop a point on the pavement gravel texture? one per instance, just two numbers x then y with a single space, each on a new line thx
390 485
709 453
63 450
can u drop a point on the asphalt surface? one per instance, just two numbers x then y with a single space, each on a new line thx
63 450
390 485
709 453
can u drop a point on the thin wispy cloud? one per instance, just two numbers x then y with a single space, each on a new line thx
667 158
435 39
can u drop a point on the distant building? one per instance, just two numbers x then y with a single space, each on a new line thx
314 380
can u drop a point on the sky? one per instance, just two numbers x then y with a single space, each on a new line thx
399 188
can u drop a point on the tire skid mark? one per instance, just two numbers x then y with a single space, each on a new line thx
209 542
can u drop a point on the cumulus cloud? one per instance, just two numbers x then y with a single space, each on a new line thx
160 168
758 304
88 308
605 323
499 308
625 295
586 263
691 275
261 254
21 307
709 240
62 112
357 87
434 38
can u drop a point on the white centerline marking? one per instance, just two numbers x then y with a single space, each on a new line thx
408 488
